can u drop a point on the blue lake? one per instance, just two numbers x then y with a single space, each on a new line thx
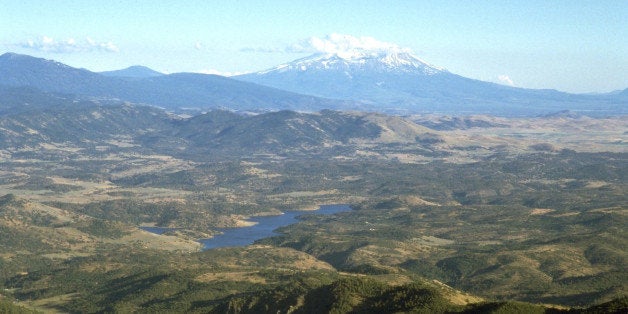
264 228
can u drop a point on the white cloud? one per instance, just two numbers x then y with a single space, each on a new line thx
344 44
262 49
70 45
504 79
334 44
47 40
198 45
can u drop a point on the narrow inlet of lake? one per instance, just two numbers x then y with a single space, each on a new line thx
264 227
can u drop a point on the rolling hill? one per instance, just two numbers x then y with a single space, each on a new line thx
31 118
503 209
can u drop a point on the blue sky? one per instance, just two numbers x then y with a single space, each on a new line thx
575 46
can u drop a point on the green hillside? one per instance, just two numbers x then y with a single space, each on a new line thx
478 215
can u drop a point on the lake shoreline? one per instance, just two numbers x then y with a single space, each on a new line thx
248 230
264 227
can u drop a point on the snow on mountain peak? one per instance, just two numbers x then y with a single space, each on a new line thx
345 51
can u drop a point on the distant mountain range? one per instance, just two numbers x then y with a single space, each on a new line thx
139 85
390 82
136 71
398 81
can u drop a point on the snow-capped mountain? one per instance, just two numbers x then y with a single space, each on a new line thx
369 76
392 79
359 60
